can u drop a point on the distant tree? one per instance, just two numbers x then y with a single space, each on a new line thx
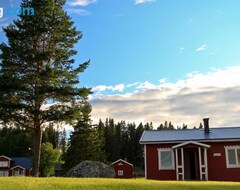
100 142
138 147
184 126
165 125
49 135
49 157
110 141
131 142
118 139
200 126
36 67
63 141
84 143
170 125
15 142
161 127
147 126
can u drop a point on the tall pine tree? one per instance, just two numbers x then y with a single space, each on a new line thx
84 143
36 67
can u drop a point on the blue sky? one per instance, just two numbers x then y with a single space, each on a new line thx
157 60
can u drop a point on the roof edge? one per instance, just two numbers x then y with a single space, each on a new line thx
121 160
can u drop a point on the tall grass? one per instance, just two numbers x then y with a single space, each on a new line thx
21 183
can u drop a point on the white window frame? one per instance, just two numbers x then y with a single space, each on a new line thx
235 148
160 167
120 172
4 164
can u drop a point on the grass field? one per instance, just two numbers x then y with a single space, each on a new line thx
18 183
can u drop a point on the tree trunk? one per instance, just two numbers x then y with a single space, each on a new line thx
37 141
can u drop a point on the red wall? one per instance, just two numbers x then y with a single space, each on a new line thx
217 169
217 166
152 163
127 170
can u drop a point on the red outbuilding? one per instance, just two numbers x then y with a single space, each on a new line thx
192 154
123 169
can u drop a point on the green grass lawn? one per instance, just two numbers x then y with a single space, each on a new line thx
20 183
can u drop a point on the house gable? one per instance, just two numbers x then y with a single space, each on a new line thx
120 161
191 143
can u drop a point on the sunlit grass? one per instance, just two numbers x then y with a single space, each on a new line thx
21 183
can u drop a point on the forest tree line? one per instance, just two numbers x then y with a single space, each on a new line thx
106 141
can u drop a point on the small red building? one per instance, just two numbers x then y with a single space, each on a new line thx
192 154
17 166
123 169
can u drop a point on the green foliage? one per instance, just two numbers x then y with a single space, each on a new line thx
49 157
15 142
49 135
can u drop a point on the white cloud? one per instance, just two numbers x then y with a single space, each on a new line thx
143 1
202 48
146 85
80 12
214 94
101 88
81 2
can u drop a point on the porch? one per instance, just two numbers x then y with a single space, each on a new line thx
191 161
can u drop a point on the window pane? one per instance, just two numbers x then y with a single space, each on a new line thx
231 157
238 156
3 164
166 159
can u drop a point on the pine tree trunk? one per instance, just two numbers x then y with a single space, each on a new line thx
37 140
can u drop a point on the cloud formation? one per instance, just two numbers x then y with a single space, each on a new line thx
202 48
81 2
214 94
143 1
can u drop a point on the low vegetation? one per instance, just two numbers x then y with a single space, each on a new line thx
20 183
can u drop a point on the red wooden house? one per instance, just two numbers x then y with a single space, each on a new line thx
123 169
17 166
192 154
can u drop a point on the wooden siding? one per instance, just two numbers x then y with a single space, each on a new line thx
126 168
152 164
217 168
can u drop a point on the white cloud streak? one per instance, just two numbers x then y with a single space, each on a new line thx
202 48
143 1
101 88
214 94
80 12
81 2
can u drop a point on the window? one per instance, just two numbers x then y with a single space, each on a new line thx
4 164
232 156
120 172
165 159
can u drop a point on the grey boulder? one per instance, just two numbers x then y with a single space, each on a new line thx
91 169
